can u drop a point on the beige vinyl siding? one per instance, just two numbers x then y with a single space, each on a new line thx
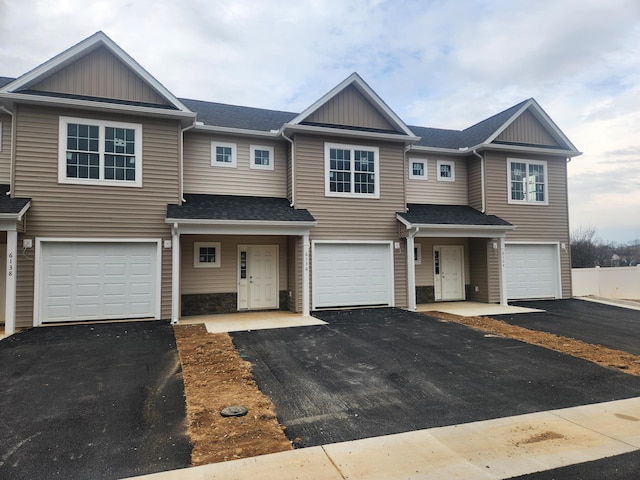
438 192
535 223
479 270
225 278
350 108
101 74
66 210
354 218
202 177
5 149
527 129
474 173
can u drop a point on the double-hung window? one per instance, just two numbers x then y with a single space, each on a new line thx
446 170
96 152
527 181
351 171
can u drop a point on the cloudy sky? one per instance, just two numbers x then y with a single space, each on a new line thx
436 63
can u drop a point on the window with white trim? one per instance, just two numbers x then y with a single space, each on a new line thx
206 254
261 157
97 152
446 170
418 169
223 154
527 181
351 171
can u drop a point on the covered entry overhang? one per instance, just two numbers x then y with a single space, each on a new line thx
12 212
450 221
237 215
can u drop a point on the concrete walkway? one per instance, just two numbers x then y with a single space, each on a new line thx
241 322
492 449
473 309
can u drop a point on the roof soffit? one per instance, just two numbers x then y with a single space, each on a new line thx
367 92
80 50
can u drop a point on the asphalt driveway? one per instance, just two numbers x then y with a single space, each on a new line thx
99 401
374 372
596 323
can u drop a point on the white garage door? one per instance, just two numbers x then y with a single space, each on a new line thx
94 281
347 275
532 271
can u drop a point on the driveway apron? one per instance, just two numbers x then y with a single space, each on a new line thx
596 323
99 401
374 372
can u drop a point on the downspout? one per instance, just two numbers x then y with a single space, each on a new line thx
181 192
293 168
481 157
11 154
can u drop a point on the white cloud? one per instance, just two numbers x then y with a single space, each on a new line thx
436 63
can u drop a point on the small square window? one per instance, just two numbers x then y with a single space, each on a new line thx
417 169
446 171
206 254
223 154
261 157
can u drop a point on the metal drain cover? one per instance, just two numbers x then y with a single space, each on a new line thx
234 411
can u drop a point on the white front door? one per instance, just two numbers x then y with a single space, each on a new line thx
258 286
449 273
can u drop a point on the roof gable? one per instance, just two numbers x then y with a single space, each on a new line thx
82 71
530 125
353 104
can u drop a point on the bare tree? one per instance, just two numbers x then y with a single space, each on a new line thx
584 248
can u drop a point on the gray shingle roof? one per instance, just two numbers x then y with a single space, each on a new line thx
430 214
474 135
11 205
5 80
231 207
233 116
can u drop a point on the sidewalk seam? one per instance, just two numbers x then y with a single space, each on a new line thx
333 463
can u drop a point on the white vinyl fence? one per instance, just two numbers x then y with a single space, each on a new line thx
609 282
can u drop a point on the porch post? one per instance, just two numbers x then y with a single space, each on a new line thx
10 291
411 273
305 276
175 275
502 273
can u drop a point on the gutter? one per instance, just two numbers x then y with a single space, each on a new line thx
11 153
293 169
181 192
483 194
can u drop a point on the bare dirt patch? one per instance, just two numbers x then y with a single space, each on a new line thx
606 357
215 377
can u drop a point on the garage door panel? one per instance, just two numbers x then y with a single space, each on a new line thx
87 281
351 275
532 271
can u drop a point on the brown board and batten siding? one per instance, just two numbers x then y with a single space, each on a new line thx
354 218
438 192
534 223
5 149
67 210
350 108
202 177
101 74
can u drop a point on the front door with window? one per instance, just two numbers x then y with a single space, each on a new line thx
448 272
258 277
